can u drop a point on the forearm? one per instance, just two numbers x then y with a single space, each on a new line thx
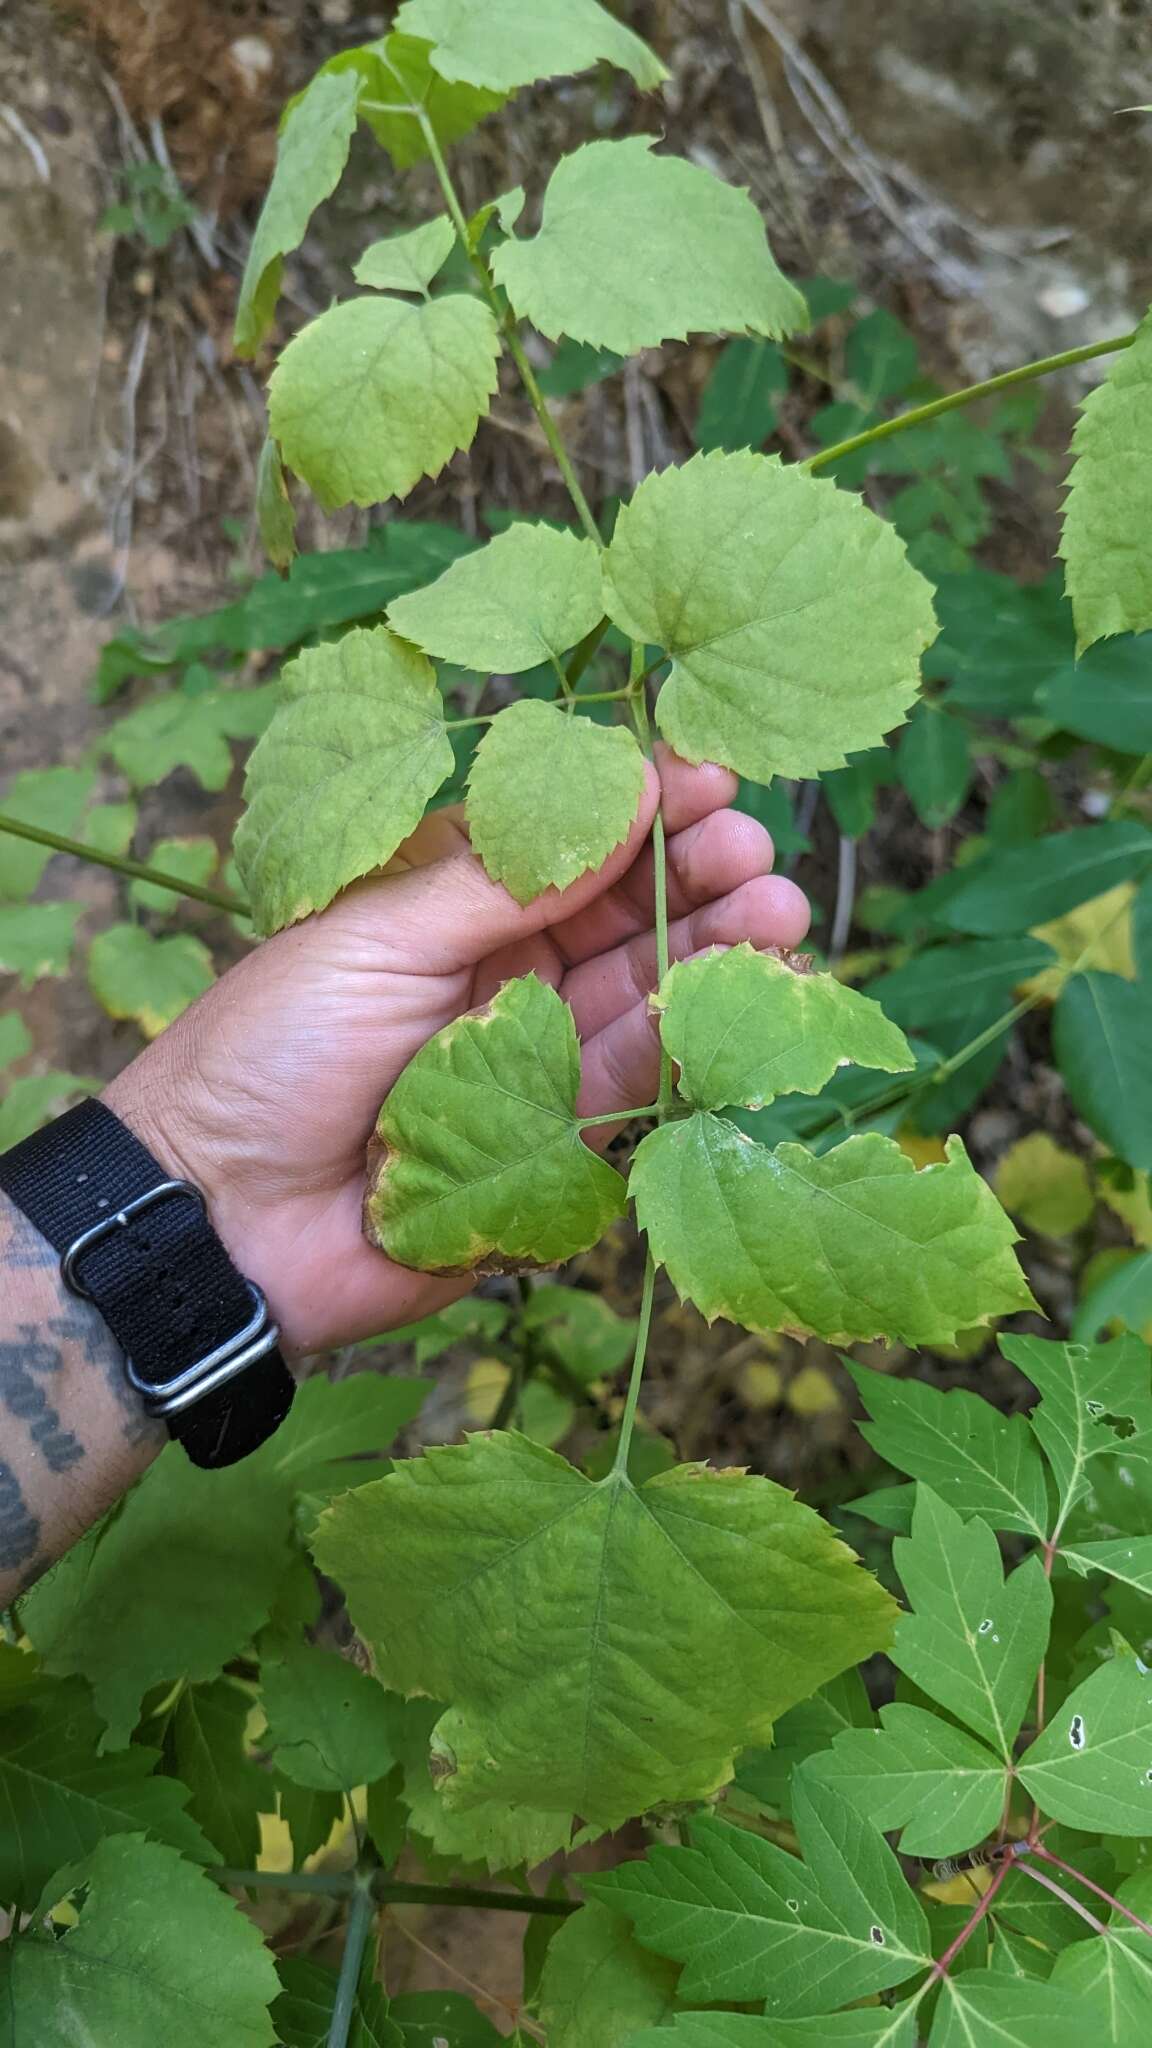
73 1434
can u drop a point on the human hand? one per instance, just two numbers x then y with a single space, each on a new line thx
265 1093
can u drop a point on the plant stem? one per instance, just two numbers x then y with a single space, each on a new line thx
121 864
527 374
1024 374
944 1962
360 1923
628 1419
618 1116
1118 1904
1038 1877
390 1891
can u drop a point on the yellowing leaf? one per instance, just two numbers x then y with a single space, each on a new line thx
524 598
484 1168
1096 934
922 1151
644 1633
812 1392
851 1245
550 795
377 393
1133 1205
705 264
132 974
1046 1186
343 773
794 621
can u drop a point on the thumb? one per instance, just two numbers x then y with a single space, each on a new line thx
449 914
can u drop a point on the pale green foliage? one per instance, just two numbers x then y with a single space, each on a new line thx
343 773
710 1601
979 1461
920 1773
177 730
635 249
587 1336
986 2006
1085 1389
497 1835
158 1953
397 72
310 158
501 44
407 262
524 598
750 1921
1113 1975
852 1244
15 1038
744 1028
327 1721
1092 1766
52 798
972 1641
36 939
599 1985
414 380
187 860
485 1166
31 1099
794 621
132 974
869 2027
1109 506
550 795
274 515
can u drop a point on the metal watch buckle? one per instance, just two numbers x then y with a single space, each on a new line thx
254 1341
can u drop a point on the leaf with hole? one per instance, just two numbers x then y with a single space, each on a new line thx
1092 1766
794 622
706 262
1095 1399
343 773
979 1461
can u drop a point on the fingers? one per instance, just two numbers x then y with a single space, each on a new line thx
767 910
705 858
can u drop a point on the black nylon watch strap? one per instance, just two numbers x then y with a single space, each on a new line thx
161 1279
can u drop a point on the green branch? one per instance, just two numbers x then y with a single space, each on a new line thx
122 865
1004 382
360 1922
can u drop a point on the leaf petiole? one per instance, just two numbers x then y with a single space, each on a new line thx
628 1419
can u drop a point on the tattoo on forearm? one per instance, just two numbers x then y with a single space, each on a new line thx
22 1249
19 1528
24 1396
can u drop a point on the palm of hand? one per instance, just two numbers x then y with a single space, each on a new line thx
266 1092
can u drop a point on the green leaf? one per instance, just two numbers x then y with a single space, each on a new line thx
1108 578
646 1632
501 1836
745 1028
794 621
920 1773
707 264
769 1775
407 262
1102 1040
575 365
880 356
111 827
738 404
274 514
987 2007
934 764
599 1985
973 1641
36 939
1048 1187
59 1798
15 1038
178 731
333 1420
310 159
397 72
1125 1558
526 597
343 773
208 1754
582 1331
173 1585
442 2019
54 799
484 1164
494 43
186 860
550 795
303 2011
132 974
1092 1766
415 379
31 1099
873 2027
1021 808
851 1245
1027 885
1111 1976
1095 1399
1105 696
953 981
433 1335
309 1817
980 1461
749 1921
327 1721
158 1953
